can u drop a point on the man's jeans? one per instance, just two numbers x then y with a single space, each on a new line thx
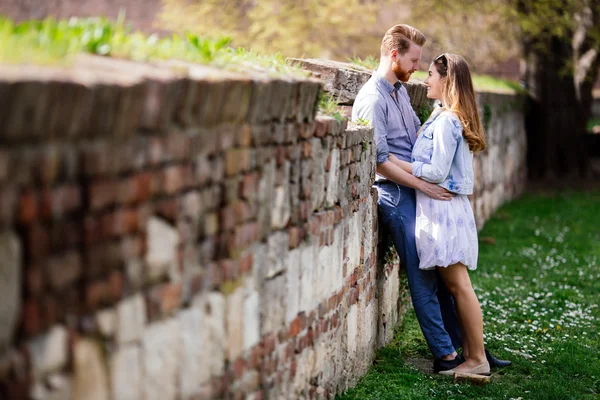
432 302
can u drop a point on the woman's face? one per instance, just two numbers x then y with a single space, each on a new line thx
434 83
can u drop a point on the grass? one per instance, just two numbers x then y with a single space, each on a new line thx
538 282
58 42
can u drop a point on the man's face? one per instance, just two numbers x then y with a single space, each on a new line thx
404 65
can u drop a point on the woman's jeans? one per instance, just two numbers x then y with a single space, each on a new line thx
431 300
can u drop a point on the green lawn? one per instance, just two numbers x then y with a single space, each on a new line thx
539 286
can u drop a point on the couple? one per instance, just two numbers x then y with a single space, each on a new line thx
424 174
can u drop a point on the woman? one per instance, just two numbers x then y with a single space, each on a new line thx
446 233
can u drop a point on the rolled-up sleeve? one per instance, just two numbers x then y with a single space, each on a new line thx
445 141
380 133
373 111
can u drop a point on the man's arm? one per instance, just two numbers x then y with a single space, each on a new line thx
396 174
406 166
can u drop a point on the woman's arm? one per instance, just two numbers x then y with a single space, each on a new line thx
406 166
445 142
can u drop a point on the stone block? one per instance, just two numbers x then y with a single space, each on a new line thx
161 346
10 287
333 178
49 352
273 298
90 379
106 320
131 319
251 316
213 334
161 257
309 296
126 373
293 280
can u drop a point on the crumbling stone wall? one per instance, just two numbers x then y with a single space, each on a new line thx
173 231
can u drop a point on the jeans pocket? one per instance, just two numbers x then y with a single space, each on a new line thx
389 194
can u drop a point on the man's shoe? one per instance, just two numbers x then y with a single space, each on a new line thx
446 365
496 363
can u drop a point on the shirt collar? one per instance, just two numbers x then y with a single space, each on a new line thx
385 84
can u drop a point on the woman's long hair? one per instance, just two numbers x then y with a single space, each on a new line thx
458 96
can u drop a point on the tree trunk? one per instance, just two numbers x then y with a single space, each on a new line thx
556 119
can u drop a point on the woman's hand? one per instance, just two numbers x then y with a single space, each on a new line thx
435 191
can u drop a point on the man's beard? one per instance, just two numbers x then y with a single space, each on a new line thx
401 74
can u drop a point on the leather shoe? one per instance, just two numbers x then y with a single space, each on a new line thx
446 365
494 362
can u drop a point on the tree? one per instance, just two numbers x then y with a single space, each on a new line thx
560 43
297 28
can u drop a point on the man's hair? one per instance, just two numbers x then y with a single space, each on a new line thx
400 37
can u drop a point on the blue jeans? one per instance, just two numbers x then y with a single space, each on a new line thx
433 303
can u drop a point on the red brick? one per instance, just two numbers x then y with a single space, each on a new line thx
239 367
34 280
38 242
328 163
52 310
332 303
306 150
250 185
143 183
102 193
296 235
32 320
227 218
167 209
269 343
97 293
28 207
173 179
116 283
125 221
164 299
231 269
246 263
243 211
295 327
280 155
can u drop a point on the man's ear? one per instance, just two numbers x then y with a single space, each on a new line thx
393 53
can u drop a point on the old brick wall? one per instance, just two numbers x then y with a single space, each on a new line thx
173 231
141 14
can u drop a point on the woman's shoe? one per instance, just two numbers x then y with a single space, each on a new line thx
481 369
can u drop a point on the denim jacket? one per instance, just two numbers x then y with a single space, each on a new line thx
441 154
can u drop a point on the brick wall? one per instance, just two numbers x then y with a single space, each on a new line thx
172 231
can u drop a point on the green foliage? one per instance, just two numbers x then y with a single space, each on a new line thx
362 122
310 28
538 287
424 112
487 115
328 105
368 62
365 144
52 41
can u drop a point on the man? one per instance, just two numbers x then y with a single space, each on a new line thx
384 101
